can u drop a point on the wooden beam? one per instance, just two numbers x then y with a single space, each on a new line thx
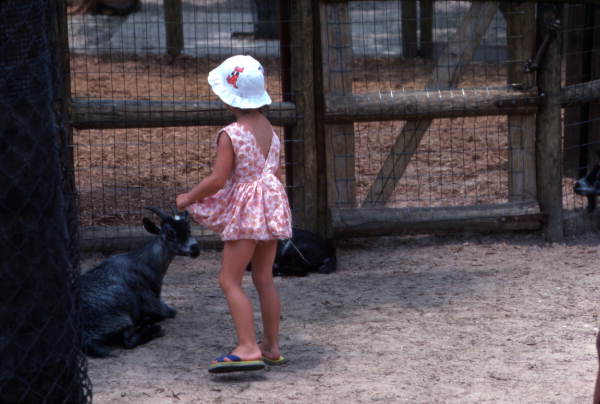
549 129
445 75
105 114
367 222
123 238
427 105
521 30
407 105
582 93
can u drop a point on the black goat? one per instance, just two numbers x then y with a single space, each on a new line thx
305 252
589 186
121 301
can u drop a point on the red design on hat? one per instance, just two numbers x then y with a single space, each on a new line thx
234 75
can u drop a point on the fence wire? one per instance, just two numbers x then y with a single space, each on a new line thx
132 58
41 359
162 51
405 47
581 136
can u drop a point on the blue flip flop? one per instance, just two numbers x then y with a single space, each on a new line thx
234 364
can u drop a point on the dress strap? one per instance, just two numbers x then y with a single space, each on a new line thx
233 134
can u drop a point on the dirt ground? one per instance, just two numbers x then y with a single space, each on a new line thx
428 319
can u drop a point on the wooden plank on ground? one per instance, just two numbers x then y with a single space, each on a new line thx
445 75
367 222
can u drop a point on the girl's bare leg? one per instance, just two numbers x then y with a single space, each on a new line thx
270 305
236 255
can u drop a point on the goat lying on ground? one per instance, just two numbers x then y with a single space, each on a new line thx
589 186
121 301
305 252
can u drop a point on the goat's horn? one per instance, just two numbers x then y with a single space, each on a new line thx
159 212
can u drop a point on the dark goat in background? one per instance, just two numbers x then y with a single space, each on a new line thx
589 186
305 252
121 301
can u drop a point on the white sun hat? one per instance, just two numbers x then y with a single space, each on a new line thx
240 82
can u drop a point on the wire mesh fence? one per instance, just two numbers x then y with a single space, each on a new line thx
130 58
458 161
443 49
39 310
398 132
581 51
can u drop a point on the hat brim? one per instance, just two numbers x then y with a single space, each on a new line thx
221 91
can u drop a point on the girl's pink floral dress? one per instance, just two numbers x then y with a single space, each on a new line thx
253 203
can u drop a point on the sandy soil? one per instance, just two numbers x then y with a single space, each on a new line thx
478 319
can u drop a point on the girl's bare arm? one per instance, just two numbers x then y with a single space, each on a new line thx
210 185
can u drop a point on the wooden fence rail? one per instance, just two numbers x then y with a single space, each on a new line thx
366 222
399 105
111 114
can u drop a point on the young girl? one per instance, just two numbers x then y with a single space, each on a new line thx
244 201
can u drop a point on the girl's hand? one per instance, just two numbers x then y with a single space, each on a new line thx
182 201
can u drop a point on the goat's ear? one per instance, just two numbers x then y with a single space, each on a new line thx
150 226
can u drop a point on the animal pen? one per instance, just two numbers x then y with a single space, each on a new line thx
397 117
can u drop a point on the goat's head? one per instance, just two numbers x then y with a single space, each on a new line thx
589 186
175 231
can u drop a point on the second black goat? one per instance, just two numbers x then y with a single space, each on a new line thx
589 186
305 252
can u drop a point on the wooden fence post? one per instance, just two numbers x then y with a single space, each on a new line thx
304 148
173 27
409 29
548 137
521 26
426 28
336 55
